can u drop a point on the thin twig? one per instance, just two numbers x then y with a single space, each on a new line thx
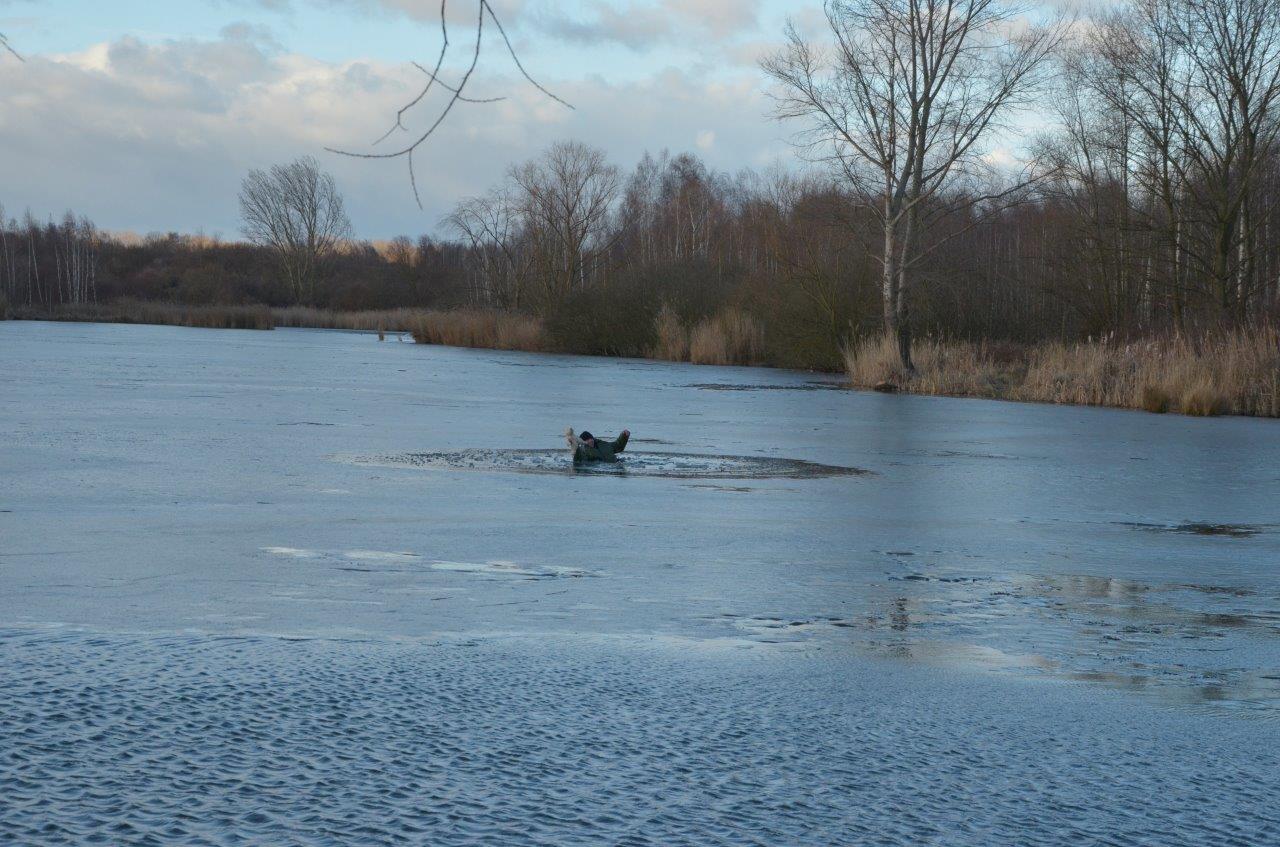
493 15
433 78
4 42
447 87
408 151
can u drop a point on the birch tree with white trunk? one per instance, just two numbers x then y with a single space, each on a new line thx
904 104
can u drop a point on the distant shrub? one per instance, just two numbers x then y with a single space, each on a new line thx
613 320
809 314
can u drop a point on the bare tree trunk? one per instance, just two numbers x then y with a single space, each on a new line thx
915 88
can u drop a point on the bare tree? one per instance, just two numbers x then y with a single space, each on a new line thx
456 93
295 210
1230 125
7 270
1201 83
494 230
902 107
566 197
1135 72
75 252
1094 154
35 290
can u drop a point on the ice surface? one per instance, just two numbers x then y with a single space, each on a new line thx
630 463
233 611
221 740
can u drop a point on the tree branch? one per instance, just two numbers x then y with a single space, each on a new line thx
457 93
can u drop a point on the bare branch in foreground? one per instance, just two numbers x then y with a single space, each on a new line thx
483 9
4 43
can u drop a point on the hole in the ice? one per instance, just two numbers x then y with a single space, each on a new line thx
638 463
1225 530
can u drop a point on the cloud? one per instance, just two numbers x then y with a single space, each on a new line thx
642 24
459 12
281 6
251 34
720 18
157 136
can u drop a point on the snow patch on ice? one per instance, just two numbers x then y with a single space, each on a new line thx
507 568
293 552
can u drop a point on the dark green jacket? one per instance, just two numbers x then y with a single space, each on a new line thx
604 451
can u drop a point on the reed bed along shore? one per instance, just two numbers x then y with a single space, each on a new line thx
729 337
383 320
487 328
1228 372
150 312
1223 373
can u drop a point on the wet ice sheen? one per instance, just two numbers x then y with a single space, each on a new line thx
1029 625
1168 641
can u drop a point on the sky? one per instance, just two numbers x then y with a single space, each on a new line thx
146 116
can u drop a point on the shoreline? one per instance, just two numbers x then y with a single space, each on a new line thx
1224 374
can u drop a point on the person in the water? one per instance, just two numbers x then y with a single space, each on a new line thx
587 448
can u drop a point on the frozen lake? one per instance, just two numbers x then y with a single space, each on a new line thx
305 587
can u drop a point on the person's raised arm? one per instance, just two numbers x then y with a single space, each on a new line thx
621 443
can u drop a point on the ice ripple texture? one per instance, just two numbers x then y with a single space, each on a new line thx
632 463
136 739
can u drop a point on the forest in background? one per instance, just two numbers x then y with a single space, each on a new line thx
1140 239
681 242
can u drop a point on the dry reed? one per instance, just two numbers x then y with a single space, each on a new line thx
731 337
387 320
673 337
147 312
485 328
1218 373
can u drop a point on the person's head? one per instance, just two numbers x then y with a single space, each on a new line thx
587 438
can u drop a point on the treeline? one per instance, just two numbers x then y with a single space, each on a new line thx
49 264
46 266
1166 164
1143 229
675 243
1150 210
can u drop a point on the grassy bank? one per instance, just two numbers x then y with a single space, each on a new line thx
1224 373
148 312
